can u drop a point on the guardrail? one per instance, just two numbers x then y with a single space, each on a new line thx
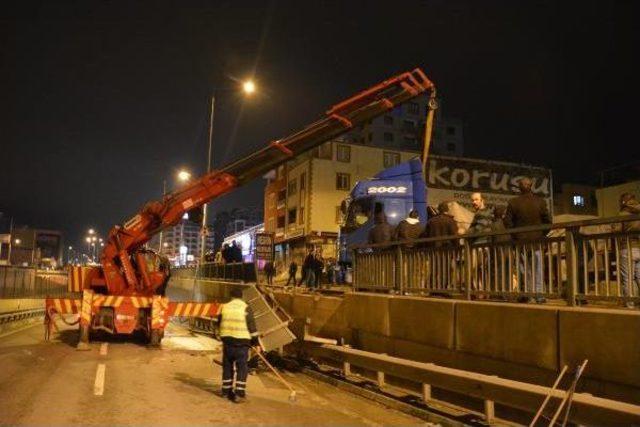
585 408
576 261
225 271
28 282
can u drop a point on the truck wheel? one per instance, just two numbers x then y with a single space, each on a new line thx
156 337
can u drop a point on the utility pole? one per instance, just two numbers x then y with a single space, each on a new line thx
203 230
432 105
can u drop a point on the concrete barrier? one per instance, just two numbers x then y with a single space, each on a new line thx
610 339
516 341
429 322
517 333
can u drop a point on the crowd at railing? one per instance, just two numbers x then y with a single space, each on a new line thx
29 282
576 261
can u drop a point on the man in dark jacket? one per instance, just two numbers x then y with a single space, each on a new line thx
381 231
308 275
522 211
498 224
238 333
409 228
441 225
236 252
293 269
318 266
526 210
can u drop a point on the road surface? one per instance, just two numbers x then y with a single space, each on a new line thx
120 382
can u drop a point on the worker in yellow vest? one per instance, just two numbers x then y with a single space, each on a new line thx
238 333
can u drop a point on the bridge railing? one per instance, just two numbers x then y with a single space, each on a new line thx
238 271
29 282
576 261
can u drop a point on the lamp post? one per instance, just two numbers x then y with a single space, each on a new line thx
248 88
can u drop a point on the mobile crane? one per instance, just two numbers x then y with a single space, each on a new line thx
126 293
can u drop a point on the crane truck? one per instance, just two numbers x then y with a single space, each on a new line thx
125 293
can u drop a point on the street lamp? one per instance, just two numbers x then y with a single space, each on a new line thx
17 241
249 88
184 176
91 231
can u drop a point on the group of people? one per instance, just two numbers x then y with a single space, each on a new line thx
527 209
229 253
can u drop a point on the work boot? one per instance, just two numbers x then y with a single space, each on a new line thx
240 398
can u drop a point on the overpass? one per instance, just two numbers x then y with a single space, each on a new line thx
432 331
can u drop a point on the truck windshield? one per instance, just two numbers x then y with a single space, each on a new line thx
359 212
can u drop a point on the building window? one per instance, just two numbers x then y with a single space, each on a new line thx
292 187
301 216
271 224
578 200
451 130
390 159
413 108
408 125
325 151
411 141
282 196
292 216
303 181
451 146
388 120
281 221
338 215
343 181
388 136
343 153
272 200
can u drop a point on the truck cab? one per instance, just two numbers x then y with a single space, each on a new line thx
396 190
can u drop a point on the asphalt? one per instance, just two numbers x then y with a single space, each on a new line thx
51 383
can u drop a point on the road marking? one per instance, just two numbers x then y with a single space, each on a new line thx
98 385
103 349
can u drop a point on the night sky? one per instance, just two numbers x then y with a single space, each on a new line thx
101 101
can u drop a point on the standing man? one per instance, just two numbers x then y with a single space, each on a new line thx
318 266
308 275
238 333
293 269
522 211
481 223
269 271
483 218
409 228
629 262
441 225
382 230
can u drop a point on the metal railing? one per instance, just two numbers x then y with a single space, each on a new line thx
240 271
28 282
576 261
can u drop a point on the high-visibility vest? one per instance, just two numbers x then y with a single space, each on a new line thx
234 320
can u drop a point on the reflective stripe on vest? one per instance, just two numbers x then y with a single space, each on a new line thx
234 320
